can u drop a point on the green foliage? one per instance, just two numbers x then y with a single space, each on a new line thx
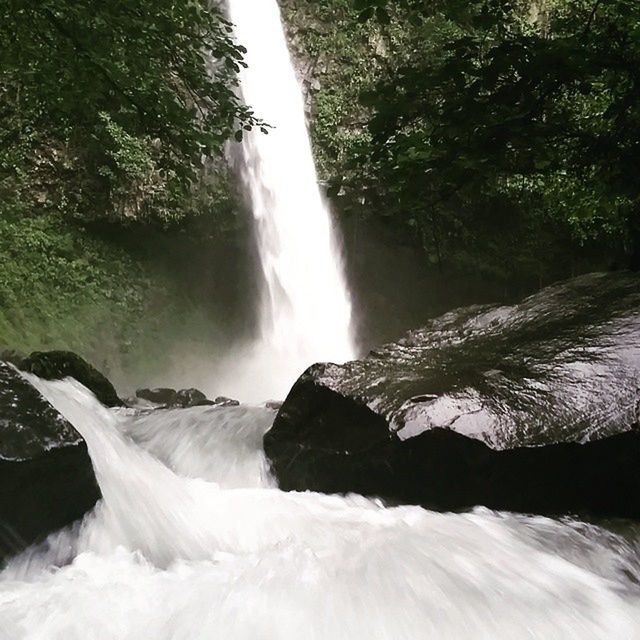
113 119
500 124
116 300
60 287
115 108
129 154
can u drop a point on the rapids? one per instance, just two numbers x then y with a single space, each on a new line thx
193 541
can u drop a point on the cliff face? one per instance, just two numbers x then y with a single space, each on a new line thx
336 58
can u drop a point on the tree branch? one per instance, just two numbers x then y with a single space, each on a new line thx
592 17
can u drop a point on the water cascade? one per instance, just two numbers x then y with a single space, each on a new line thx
305 308
187 545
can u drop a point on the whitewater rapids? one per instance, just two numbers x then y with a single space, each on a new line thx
192 540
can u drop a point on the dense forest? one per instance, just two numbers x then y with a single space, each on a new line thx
499 139
501 136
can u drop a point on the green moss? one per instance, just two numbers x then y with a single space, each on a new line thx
64 288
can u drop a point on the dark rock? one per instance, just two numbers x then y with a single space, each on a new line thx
168 398
161 395
192 398
529 408
55 365
221 401
46 477
273 404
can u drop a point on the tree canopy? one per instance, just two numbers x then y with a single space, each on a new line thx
511 119
109 108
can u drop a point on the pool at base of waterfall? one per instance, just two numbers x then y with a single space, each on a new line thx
192 540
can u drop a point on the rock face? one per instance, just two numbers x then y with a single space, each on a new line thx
55 365
528 408
46 477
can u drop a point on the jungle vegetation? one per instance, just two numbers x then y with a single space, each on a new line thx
501 138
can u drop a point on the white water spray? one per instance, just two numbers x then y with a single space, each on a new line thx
305 310
182 549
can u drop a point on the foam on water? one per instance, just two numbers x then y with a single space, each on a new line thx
183 548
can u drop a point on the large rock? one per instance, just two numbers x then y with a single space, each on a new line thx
55 365
529 408
46 477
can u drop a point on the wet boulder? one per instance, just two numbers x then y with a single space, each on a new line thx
192 398
532 408
223 401
46 477
56 365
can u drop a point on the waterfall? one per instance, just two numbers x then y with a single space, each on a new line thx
305 307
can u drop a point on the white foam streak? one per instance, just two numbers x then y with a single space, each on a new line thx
305 313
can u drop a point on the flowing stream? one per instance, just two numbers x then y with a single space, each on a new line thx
193 541
305 308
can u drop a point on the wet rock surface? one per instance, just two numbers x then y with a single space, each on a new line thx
166 398
192 398
160 395
222 401
531 407
46 477
56 365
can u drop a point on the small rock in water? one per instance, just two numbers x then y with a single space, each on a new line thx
273 404
221 401
192 398
167 398
133 402
161 395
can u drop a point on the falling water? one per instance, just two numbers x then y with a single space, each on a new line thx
305 310
192 541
